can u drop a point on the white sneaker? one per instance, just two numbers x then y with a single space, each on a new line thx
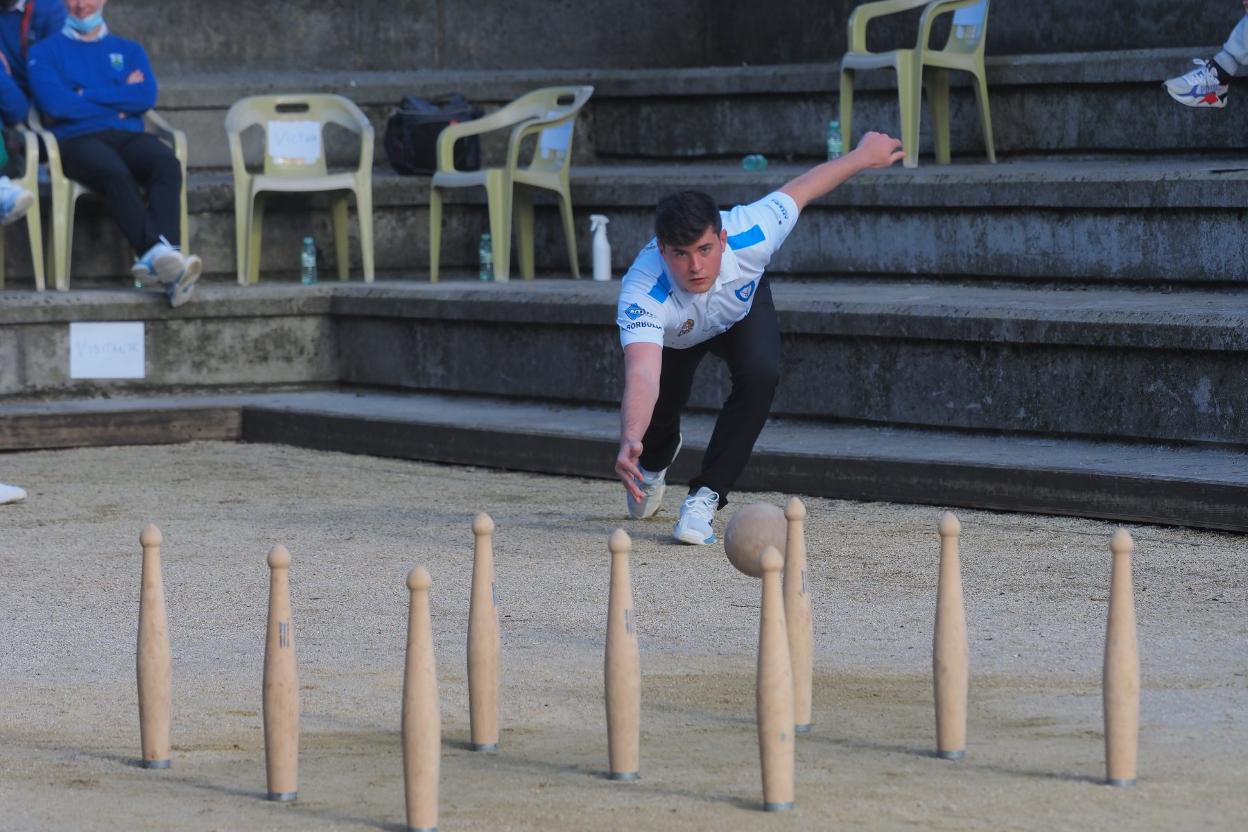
181 289
11 494
696 515
162 263
653 486
1199 88
15 201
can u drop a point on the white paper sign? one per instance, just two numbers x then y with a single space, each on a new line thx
113 350
552 143
970 15
294 142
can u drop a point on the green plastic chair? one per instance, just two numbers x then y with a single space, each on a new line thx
66 193
34 224
964 52
549 112
299 173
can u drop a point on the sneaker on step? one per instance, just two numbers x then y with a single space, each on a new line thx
162 263
696 516
11 494
183 286
15 201
653 485
1199 88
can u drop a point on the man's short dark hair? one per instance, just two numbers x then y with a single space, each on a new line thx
682 218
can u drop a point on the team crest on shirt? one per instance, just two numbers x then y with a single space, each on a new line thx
634 312
745 292
118 61
685 328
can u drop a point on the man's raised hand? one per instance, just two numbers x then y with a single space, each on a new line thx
879 150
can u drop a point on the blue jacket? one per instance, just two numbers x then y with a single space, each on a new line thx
80 86
47 18
13 104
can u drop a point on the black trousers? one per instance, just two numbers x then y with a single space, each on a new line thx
751 349
116 164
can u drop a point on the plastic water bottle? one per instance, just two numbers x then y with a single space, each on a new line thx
307 260
836 144
601 247
485 253
755 161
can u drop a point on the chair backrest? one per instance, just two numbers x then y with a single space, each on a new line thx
294 127
556 108
969 29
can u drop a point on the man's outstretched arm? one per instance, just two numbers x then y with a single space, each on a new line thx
876 150
643 363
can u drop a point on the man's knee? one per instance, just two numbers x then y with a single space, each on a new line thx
759 375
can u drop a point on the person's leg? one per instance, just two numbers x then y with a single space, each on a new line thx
1233 58
154 166
94 161
751 349
662 437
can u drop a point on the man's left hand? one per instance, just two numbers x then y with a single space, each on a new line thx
136 77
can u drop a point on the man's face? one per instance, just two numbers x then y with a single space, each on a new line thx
696 266
83 8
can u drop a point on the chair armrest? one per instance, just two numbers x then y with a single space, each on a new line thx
50 146
867 12
157 124
934 10
367 142
32 153
497 120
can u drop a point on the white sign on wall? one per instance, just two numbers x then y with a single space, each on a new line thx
294 142
106 350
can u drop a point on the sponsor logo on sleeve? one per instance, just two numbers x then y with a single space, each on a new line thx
777 207
636 325
746 292
635 311
685 328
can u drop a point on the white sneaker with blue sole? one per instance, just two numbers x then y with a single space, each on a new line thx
653 485
162 263
696 516
180 290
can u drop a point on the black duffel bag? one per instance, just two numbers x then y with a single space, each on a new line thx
411 139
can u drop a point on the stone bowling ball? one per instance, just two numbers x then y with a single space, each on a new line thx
750 531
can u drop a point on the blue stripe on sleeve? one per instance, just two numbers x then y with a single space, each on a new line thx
662 288
745 239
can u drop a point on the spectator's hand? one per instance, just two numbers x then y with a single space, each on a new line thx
626 467
879 150
8 70
136 77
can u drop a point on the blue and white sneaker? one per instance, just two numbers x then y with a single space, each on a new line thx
11 494
162 263
696 515
15 201
653 486
1199 88
183 286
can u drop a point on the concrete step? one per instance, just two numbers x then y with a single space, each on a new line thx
1200 487
185 35
1114 364
1061 103
1126 221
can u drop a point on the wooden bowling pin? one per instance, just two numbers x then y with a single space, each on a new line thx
775 690
797 613
622 667
484 644
949 647
422 721
281 685
1122 670
152 657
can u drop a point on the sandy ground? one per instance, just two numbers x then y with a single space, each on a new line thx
1036 602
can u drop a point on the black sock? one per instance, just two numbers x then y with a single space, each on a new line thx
1223 75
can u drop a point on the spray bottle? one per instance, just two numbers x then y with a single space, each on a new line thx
602 248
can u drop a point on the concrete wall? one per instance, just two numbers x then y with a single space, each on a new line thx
186 36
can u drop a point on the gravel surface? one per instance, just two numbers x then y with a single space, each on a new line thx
1036 590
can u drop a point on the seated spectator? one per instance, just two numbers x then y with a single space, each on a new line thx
22 22
1208 85
92 89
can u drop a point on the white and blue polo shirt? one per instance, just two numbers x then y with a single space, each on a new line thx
653 309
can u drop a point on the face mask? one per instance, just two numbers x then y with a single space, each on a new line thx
85 24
